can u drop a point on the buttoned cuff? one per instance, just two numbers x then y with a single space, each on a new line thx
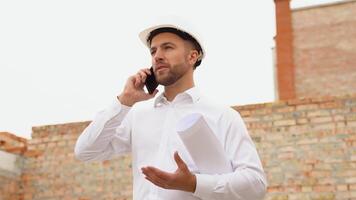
205 186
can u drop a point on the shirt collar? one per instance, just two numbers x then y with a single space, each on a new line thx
193 94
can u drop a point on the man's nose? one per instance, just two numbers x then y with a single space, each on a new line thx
158 56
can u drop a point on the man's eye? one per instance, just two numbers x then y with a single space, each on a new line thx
153 52
168 47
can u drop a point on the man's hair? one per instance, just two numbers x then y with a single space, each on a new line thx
181 34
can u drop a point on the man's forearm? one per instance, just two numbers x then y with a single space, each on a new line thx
95 138
242 184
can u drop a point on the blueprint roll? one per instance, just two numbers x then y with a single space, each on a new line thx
203 146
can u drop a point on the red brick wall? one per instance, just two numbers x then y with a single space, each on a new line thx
307 146
10 182
284 51
10 187
12 144
325 50
52 172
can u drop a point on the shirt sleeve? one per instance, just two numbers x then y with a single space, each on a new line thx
108 134
247 181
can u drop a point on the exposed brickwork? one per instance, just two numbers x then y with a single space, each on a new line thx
325 50
284 53
12 144
10 187
52 172
307 146
10 183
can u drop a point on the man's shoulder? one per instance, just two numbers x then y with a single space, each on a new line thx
218 110
213 105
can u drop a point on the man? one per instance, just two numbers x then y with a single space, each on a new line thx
161 166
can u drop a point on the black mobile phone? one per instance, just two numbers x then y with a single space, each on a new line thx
151 83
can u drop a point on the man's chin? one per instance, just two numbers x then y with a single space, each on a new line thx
166 81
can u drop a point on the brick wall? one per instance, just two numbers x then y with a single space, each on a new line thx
12 144
307 146
325 50
284 51
10 187
12 149
52 172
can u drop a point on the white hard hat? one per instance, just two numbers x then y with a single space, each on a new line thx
176 23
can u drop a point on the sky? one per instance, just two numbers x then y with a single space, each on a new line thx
64 61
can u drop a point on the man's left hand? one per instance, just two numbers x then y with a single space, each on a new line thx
181 179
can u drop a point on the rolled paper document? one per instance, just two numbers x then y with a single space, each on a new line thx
203 146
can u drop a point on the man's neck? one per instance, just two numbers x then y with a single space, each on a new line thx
171 91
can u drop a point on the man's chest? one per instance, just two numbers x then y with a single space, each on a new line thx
156 139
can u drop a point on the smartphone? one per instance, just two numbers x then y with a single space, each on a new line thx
151 83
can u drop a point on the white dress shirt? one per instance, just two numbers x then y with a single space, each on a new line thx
150 135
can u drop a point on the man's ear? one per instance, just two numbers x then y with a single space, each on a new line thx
193 56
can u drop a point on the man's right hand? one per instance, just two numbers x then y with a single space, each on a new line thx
134 89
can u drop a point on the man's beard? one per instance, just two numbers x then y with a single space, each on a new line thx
170 76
